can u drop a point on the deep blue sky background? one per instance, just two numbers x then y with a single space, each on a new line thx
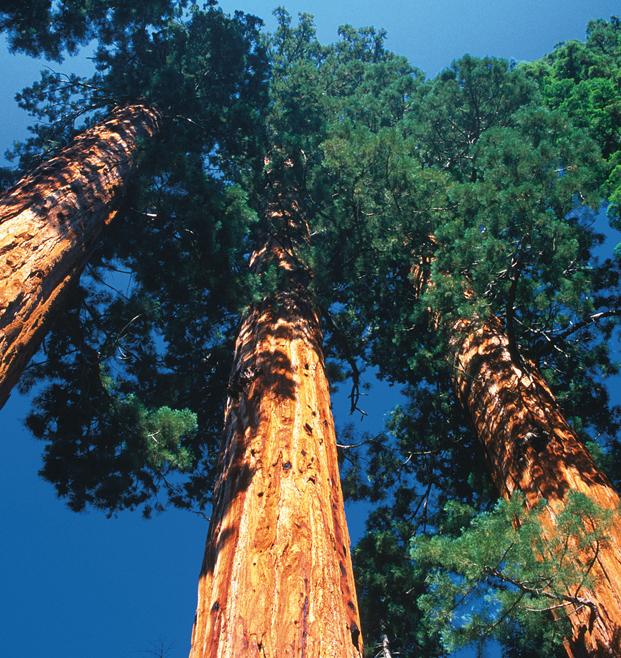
83 586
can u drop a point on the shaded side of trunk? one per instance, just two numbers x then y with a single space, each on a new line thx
277 576
531 448
49 224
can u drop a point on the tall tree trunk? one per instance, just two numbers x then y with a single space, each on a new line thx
51 221
277 575
530 448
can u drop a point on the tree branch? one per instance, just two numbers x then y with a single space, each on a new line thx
569 599
552 342
515 269
354 396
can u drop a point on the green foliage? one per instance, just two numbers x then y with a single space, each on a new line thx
44 27
206 73
504 227
582 80
162 329
151 331
127 450
510 567
388 584
466 100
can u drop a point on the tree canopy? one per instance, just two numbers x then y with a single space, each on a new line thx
467 196
43 27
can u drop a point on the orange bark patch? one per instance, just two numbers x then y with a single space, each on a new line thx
49 224
530 447
277 576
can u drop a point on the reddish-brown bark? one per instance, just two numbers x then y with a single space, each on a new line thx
277 575
49 224
530 448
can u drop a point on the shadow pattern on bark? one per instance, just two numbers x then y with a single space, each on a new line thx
531 448
51 220
277 576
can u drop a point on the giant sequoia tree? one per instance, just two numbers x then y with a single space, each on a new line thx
450 244
277 574
503 237
52 219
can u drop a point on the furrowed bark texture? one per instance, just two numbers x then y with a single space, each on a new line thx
531 448
277 577
51 221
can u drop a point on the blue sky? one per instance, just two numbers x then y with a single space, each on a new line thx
83 586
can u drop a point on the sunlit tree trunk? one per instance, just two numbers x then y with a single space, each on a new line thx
49 224
530 448
277 575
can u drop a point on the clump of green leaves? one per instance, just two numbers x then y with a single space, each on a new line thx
43 27
109 450
511 568
581 79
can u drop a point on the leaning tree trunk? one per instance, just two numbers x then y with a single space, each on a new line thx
277 575
531 448
51 221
